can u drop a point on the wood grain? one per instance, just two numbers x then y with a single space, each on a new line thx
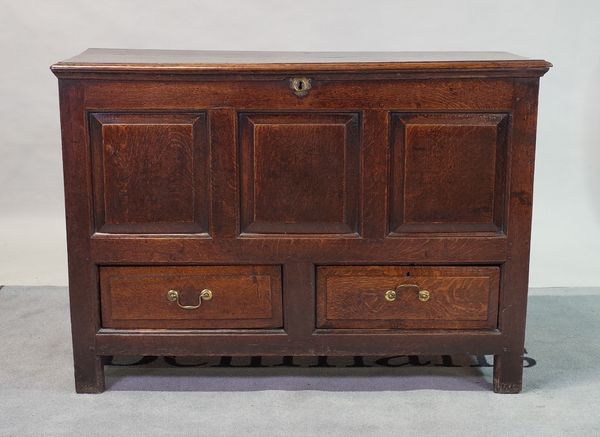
186 61
508 365
329 92
299 173
448 172
276 343
354 297
242 297
318 248
150 172
184 168
83 273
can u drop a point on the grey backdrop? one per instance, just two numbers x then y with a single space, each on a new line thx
34 34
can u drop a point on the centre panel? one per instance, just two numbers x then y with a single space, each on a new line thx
299 173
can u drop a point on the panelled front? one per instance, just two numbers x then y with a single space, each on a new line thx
301 166
301 170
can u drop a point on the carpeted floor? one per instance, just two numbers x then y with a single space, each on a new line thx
383 396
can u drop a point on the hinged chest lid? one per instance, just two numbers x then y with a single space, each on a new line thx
202 61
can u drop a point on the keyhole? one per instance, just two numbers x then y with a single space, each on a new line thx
300 86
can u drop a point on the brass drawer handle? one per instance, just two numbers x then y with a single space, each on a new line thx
423 295
173 296
300 85
408 286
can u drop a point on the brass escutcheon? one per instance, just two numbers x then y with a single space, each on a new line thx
173 296
300 85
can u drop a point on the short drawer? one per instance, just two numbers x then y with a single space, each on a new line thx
394 297
191 297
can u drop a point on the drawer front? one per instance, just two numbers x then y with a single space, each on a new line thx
191 297
393 297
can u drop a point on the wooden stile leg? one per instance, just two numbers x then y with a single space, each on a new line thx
508 373
89 374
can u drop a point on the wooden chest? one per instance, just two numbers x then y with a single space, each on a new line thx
245 204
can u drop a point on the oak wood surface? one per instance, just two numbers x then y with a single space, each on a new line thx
328 93
508 366
181 163
320 249
83 272
197 60
448 172
299 173
460 297
242 297
321 342
151 172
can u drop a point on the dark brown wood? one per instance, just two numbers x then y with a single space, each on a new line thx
277 343
299 173
299 299
508 366
320 249
242 297
150 172
329 92
194 170
225 223
83 273
189 61
459 297
374 182
448 172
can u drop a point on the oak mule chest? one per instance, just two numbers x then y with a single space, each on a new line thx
263 203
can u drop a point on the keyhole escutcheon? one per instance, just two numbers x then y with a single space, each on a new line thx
300 86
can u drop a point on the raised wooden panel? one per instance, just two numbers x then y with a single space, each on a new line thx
299 173
447 172
150 172
458 297
242 297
